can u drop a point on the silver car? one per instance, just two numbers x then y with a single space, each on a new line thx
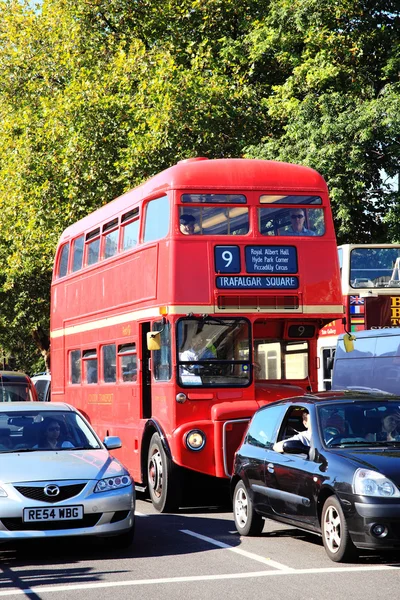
58 479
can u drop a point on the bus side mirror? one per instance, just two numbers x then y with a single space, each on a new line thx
348 341
153 340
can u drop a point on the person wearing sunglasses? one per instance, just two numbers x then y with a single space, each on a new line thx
50 436
297 227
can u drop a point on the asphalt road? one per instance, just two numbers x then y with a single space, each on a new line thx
194 555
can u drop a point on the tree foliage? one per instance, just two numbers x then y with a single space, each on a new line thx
337 109
97 95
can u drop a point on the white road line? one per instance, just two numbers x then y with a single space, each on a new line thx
261 559
135 582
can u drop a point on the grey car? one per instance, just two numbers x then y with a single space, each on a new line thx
58 479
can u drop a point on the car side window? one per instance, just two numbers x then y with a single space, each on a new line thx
292 424
263 427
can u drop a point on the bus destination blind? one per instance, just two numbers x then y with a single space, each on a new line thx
273 266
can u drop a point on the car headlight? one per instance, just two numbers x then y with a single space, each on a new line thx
372 483
113 483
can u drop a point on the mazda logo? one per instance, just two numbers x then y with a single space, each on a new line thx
52 490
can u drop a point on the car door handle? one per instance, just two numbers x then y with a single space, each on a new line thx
270 468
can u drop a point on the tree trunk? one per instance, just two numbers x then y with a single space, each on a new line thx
42 341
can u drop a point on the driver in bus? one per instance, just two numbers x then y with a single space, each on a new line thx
187 224
297 224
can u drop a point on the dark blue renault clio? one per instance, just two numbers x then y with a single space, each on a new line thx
339 478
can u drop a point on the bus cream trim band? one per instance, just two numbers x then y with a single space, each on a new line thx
177 310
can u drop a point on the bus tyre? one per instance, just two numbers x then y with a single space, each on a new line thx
163 478
247 520
335 532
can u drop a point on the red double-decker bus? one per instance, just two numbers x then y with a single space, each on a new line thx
184 305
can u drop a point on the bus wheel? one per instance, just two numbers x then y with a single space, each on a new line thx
162 477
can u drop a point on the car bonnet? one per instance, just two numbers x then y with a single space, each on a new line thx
385 460
58 465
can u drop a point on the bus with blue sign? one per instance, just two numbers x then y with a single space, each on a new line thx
181 307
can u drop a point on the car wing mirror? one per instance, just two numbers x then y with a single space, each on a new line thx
295 447
112 442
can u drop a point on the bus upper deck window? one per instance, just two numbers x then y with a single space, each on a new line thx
215 198
271 199
130 229
77 253
110 237
216 220
92 247
156 225
63 261
295 221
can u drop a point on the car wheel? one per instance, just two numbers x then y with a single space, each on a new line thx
163 478
335 532
247 520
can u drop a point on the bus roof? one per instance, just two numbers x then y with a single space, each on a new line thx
217 174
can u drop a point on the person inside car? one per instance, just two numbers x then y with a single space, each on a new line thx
390 425
302 436
49 437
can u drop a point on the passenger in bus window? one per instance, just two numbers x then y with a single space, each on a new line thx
297 227
187 224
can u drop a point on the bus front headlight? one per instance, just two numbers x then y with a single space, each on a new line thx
195 440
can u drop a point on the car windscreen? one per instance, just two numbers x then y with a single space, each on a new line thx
360 423
25 431
42 385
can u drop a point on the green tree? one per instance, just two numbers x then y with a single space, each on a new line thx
337 107
97 95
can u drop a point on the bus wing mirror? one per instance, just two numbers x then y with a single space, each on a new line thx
153 340
348 341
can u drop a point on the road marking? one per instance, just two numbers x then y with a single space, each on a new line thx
261 559
36 590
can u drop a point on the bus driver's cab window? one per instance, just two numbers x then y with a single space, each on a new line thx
213 352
